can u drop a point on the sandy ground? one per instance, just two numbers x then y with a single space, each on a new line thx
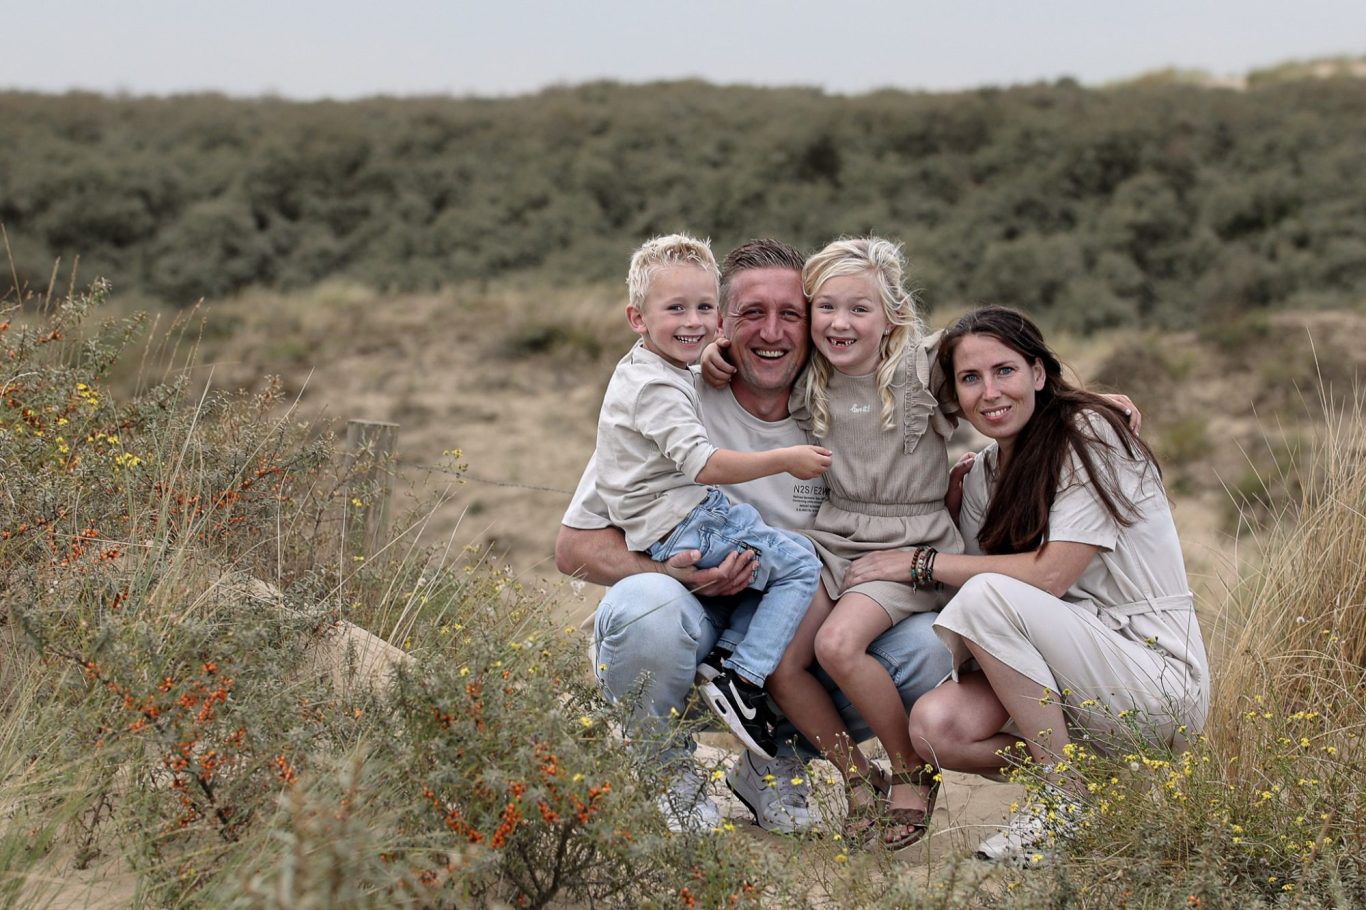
969 808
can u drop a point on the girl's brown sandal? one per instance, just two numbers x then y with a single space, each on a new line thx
903 827
866 797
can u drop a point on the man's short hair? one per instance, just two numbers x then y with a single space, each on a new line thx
763 253
669 249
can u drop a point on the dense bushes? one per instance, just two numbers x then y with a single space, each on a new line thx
1166 201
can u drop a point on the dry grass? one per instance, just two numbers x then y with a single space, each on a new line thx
511 377
1298 611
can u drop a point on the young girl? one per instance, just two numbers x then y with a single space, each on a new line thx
867 395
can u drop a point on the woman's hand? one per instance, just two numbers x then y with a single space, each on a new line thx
953 499
716 369
1125 404
884 565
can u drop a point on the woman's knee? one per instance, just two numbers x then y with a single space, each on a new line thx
988 599
952 718
932 723
986 587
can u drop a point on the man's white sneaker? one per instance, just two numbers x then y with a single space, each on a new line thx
1034 834
777 791
685 805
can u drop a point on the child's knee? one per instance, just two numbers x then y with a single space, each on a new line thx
837 646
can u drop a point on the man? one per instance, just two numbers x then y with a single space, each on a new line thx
659 621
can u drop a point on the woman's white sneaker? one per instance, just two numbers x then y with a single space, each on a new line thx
1034 834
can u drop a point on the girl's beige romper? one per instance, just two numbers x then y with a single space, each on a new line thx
885 488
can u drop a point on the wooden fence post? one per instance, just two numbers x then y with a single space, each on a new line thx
371 450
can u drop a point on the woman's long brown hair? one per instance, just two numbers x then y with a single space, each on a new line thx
1017 518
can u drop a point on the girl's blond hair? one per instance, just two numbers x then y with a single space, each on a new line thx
882 261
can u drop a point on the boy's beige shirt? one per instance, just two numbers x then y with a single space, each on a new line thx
651 447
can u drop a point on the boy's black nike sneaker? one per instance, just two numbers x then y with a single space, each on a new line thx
742 706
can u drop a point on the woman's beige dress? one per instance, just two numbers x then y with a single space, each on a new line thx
1122 648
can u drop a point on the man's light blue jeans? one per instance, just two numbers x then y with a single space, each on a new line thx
786 575
651 633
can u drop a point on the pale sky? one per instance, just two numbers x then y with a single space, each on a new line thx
346 49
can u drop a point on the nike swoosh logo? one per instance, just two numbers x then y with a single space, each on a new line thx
745 710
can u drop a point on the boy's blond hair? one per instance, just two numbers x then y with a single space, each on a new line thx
670 249
882 261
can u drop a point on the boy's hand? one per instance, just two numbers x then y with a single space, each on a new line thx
716 369
732 576
806 462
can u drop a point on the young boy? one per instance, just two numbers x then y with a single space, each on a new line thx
655 469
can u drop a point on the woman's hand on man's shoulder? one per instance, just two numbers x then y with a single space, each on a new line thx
1131 413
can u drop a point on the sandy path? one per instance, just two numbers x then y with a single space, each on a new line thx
969 807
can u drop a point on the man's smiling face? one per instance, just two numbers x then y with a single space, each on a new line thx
766 321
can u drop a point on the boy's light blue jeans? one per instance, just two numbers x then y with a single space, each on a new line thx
650 634
787 573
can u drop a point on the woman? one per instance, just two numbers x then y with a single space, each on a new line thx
1073 615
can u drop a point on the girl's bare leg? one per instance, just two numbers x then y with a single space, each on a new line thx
842 649
804 700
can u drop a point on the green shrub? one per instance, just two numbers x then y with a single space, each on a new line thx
1188 203
1240 336
1182 446
539 338
1148 362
